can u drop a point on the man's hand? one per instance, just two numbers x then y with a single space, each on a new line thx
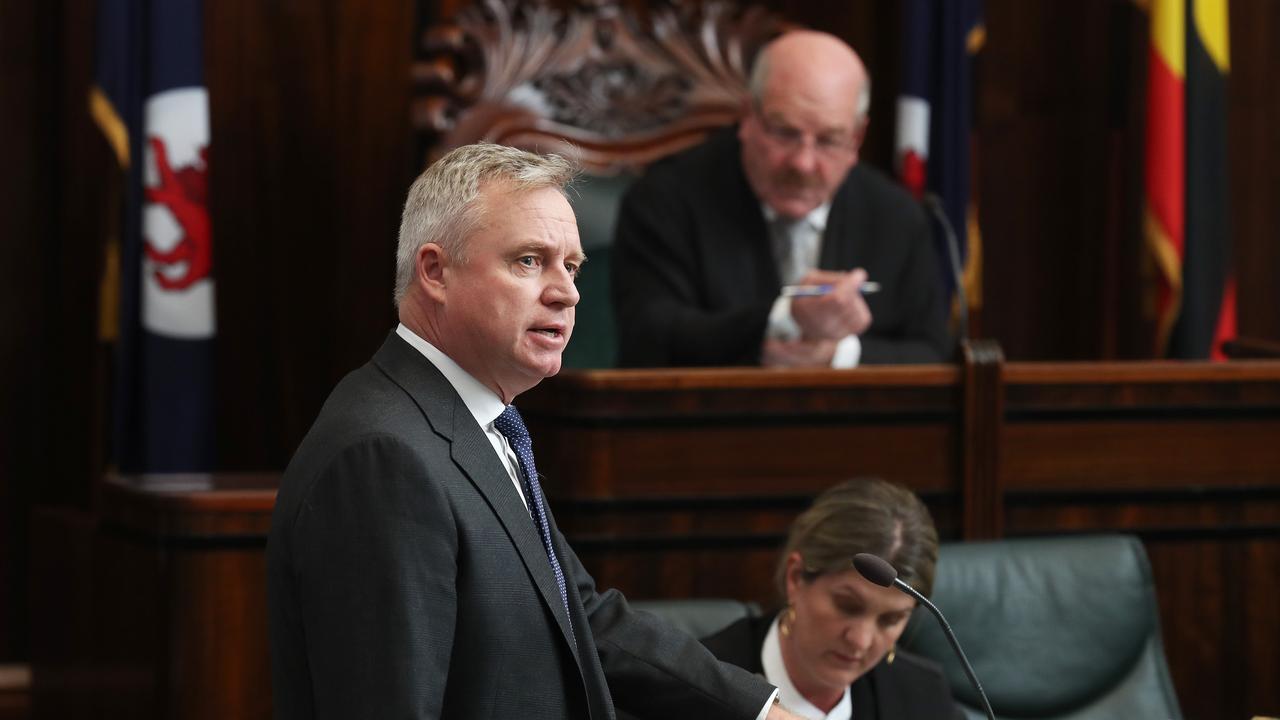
837 314
797 353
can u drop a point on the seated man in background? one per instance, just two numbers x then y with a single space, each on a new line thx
709 238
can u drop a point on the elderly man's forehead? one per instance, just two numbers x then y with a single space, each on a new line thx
815 58
811 43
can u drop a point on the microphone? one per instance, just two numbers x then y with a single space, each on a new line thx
934 204
876 570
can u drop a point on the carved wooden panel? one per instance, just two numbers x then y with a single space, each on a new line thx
600 81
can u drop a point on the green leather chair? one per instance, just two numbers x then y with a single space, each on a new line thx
1056 629
595 200
699 617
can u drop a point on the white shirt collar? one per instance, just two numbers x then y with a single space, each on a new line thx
775 671
816 219
484 404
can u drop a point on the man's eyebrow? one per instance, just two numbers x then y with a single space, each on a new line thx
526 246
542 247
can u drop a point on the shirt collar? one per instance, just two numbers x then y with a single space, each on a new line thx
816 219
775 671
484 404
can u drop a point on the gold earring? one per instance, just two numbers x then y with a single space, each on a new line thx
893 653
788 617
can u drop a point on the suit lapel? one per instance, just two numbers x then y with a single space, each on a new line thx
474 455
471 451
739 254
867 696
846 225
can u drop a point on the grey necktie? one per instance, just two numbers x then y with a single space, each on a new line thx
784 235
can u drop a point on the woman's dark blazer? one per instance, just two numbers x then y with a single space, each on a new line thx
909 688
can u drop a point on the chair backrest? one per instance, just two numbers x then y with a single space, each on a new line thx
699 617
599 81
1061 628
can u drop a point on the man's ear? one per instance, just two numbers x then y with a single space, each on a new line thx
428 271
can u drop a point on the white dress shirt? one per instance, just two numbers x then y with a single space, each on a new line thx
804 249
775 671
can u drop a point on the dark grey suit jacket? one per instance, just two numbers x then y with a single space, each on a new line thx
407 580
694 276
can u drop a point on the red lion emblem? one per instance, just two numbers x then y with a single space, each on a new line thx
184 192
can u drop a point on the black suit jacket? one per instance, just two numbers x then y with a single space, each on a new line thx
406 579
694 277
909 688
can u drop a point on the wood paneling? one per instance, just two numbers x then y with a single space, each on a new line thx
53 177
23 200
1255 163
310 160
1044 132
171 608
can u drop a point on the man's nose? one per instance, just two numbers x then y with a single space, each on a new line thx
562 290
805 157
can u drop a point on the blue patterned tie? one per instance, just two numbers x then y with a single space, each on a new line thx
511 425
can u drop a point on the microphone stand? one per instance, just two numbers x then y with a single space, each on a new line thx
955 644
877 570
934 205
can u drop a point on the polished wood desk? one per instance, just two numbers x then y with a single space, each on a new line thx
682 483
155 605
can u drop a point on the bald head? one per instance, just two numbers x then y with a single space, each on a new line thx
801 135
812 67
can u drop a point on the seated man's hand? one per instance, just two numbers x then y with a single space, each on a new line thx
797 353
837 314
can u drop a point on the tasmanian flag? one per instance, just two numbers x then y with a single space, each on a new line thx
935 119
150 101
1186 216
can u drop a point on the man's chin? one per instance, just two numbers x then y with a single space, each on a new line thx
794 208
545 367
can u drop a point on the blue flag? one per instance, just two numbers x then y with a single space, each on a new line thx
935 119
150 101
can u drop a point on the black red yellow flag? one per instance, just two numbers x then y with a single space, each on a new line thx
1187 220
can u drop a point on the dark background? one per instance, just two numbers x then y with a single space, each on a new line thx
312 151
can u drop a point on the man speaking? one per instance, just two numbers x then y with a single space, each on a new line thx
414 567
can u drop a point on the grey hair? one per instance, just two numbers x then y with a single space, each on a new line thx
760 77
444 205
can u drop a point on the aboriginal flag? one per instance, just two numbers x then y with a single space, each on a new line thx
1186 215
150 101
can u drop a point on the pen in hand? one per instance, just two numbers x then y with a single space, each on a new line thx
793 291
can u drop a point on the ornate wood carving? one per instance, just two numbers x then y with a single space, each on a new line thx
598 80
